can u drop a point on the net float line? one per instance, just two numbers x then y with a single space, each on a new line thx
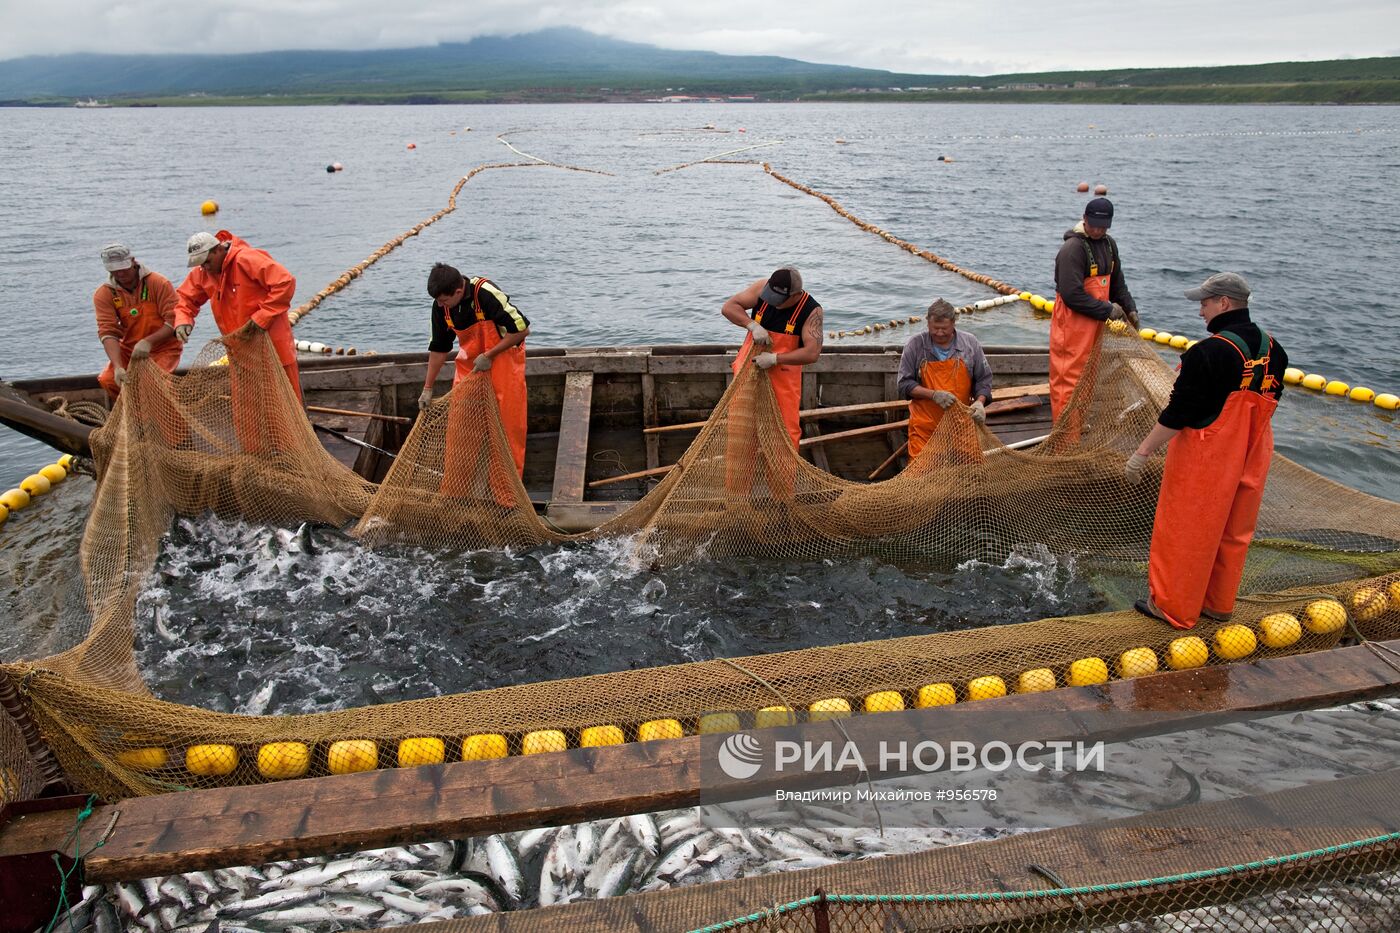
501 138
355 271
719 156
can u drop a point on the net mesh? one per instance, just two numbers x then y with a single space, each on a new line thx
232 439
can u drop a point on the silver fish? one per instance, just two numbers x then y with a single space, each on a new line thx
352 907
673 859
175 889
504 868
273 900
413 878
411 906
464 889
643 829
532 839
586 842
307 913
617 876
319 874
364 881
128 900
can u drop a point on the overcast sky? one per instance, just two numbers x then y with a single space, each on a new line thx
928 36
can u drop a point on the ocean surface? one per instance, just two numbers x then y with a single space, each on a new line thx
1304 201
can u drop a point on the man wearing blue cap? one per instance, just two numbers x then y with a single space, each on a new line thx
1089 290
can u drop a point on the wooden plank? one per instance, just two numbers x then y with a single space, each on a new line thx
222 827
810 399
649 420
584 516
571 459
1002 394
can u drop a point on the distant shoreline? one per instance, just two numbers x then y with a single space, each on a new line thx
1359 93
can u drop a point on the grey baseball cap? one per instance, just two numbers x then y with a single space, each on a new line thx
199 246
1229 284
116 257
782 285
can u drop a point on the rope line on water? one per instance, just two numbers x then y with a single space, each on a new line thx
718 156
501 138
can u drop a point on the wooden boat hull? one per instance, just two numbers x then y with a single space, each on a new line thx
589 411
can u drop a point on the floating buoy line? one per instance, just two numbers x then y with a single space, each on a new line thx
39 483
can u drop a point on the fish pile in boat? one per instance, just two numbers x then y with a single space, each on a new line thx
512 871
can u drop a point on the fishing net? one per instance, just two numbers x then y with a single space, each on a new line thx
231 439
1319 858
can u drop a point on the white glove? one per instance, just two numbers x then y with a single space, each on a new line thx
119 376
425 398
1136 464
766 360
760 334
943 399
482 363
141 350
182 332
1117 313
978 411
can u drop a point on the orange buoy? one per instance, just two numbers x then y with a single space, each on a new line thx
412 145
1082 187
1101 189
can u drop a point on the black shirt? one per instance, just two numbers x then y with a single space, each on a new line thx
494 304
1072 268
786 320
1211 370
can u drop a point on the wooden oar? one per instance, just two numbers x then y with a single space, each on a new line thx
397 419
888 460
808 414
1000 407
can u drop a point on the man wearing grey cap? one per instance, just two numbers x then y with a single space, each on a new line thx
135 311
1219 432
785 325
1089 290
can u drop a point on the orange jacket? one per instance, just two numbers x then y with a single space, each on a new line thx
252 286
134 316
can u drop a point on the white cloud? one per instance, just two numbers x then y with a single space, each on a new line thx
903 35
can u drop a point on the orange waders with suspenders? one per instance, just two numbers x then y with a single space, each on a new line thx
784 328
507 374
950 375
1209 502
138 320
1073 336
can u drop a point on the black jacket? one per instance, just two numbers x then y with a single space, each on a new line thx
1072 268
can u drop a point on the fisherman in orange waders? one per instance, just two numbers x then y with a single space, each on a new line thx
1219 425
248 290
785 333
491 334
1089 290
135 311
941 368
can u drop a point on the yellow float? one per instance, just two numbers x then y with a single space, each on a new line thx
1163 337
1361 394
143 759
1387 401
1369 602
54 473
350 756
543 740
659 729
834 708
884 701
1293 375
14 499
422 751
1314 381
36 485
1280 629
211 760
1036 680
4 513
710 723
1324 616
598 736
1235 641
484 746
279 761
986 688
1179 342
1336 387
1137 662
209 207
1086 672
931 695
1147 333
1186 653
771 716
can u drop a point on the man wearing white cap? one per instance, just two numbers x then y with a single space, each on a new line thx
246 287
135 311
